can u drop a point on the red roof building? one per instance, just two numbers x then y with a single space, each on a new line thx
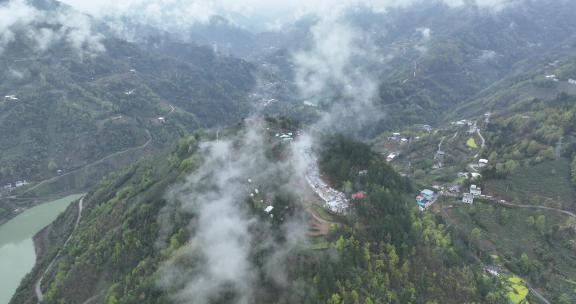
358 196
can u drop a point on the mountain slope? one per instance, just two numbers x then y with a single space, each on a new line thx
122 252
70 109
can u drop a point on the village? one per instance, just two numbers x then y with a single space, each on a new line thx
12 186
463 137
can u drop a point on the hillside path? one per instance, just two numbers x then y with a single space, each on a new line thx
483 142
571 214
38 285
115 154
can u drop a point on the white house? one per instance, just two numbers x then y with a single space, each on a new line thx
269 209
468 198
482 163
475 175
475 190
21 183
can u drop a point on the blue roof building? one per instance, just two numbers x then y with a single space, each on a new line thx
420 200
427 194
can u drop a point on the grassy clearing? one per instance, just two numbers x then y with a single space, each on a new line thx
547 184
517 290
471 143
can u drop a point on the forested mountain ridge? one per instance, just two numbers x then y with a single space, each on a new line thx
65 109
387 251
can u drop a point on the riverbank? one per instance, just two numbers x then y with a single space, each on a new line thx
19 238
41 242
18 205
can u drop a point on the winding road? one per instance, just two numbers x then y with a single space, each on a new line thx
483 142
571 214
558 149
145 145
38 285
536 293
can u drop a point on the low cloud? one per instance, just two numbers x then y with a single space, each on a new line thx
218 261
426 36
337 73
46 28
259 14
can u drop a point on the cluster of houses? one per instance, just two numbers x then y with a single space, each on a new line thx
463 122
10 97
397 137
17 184
470 175
285 136
426 198
555 79
482 163
254 193
427 128
475 191
552 77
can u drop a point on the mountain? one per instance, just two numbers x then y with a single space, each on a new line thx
68 108
238 186
132 235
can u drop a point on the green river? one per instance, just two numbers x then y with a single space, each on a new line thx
17 255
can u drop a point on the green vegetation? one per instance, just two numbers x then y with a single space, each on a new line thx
533 245
471 143
517 290
74 111
388 251
543 130
547 183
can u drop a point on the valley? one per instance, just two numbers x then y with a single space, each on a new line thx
355 153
